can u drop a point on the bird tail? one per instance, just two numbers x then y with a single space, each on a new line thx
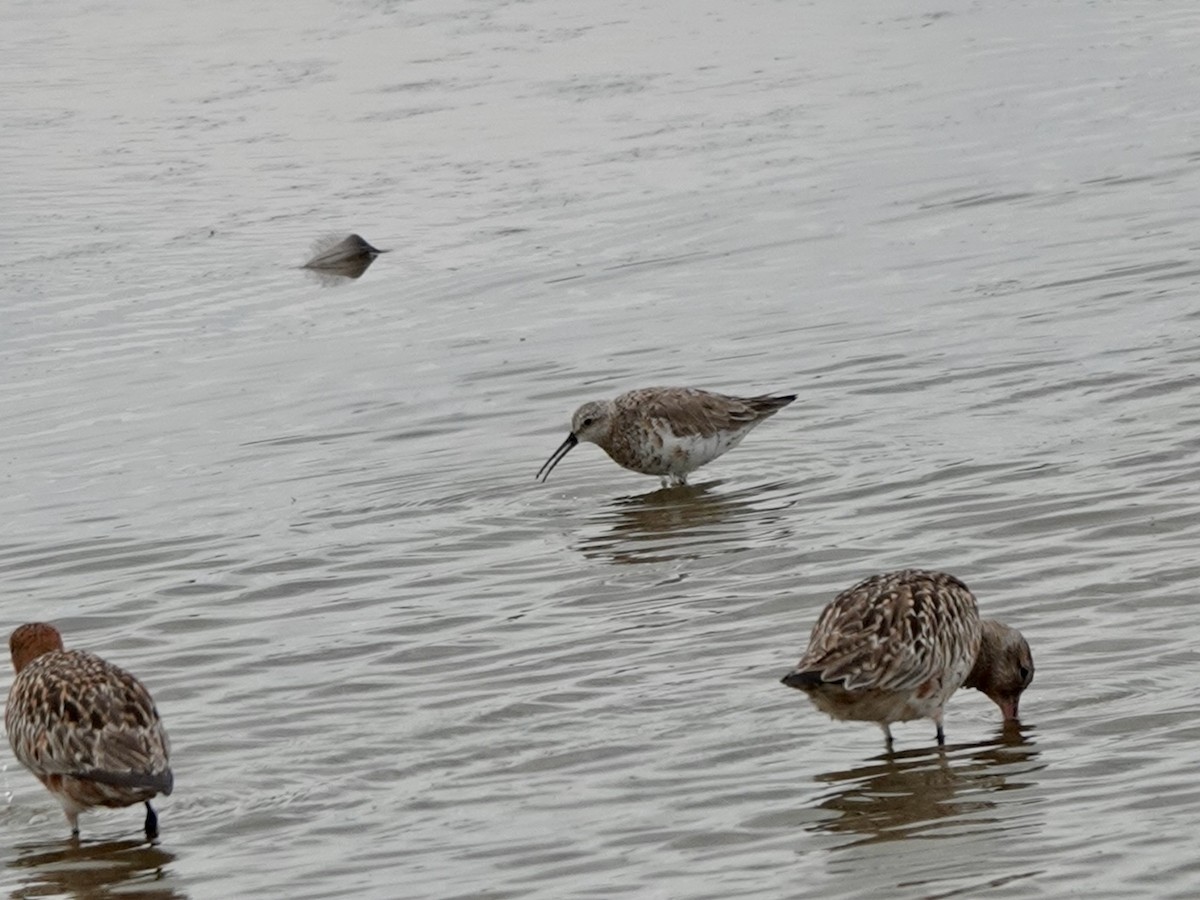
160 782
768 405
803 680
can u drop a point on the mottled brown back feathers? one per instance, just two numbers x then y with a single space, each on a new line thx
894 631
896 646
691 411
88 729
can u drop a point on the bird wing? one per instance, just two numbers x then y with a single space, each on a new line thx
84 716
894 632
691 411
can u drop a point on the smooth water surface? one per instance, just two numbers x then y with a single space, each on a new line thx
303 508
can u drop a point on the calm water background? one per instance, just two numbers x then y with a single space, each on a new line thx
392 664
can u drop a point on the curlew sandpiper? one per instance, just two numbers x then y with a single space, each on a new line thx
88 730
666 431
895 647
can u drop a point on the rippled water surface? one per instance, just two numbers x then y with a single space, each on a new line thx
303 509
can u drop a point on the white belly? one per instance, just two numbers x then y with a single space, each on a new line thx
681 455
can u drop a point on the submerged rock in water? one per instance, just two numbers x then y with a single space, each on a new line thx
347 256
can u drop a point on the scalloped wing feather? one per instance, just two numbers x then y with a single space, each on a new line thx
895 632
693 412
70 713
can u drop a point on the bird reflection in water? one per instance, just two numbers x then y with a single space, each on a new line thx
901 795
86 869
336 258
681 522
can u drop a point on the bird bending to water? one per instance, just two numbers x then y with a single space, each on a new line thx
666 431
87 729
895 647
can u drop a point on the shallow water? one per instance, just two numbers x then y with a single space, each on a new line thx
304 512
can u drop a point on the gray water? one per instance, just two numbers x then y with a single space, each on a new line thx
303 511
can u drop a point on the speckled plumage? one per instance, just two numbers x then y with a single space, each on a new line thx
666 431
87 729
895 647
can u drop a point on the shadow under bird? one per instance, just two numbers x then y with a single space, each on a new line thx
666 431
87 729
894 647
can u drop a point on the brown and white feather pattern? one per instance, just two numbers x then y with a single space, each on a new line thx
669 431
89 730
894 632
893 647
692 412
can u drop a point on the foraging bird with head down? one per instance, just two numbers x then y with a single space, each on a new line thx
87 729
669 432
895 647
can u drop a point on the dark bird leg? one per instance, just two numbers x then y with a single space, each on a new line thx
887 736
151 822
941 735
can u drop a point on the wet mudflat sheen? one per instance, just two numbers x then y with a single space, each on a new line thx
303 510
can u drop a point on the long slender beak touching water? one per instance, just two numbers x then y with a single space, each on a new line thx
563 449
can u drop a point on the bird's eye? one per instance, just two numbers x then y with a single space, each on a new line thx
1024 673
586 422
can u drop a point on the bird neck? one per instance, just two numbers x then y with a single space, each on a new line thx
985 660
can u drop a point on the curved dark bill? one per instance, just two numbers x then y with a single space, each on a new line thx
563 450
